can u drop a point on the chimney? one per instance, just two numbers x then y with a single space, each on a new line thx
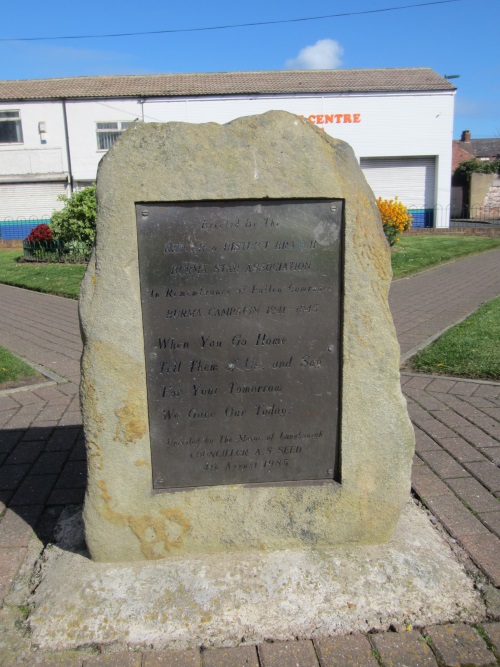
466 136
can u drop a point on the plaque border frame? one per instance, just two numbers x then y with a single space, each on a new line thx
336 479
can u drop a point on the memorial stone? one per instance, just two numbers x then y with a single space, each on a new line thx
240 382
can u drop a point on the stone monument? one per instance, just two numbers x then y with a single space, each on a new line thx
240 376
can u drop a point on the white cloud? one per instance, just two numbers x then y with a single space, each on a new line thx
325 54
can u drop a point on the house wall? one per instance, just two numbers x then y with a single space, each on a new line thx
382 125
485 196
376 125
33 157
82 118
479 188
460 154
491 204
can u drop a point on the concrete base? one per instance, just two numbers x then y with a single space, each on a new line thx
226 600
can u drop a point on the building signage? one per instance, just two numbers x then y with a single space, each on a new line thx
327 119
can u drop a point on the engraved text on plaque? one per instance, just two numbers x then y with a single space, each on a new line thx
241 305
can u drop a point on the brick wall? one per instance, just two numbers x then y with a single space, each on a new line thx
459 154
491 204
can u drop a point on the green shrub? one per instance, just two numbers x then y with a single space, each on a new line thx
77 220
474 166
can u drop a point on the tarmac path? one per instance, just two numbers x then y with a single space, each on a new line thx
456 472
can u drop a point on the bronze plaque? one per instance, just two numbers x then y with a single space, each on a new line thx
241 306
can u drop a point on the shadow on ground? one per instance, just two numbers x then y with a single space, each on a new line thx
42 471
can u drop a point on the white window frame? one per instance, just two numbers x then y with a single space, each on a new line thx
12 119
119 129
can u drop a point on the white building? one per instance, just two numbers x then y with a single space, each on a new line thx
53 132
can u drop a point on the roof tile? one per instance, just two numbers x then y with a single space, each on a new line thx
226 83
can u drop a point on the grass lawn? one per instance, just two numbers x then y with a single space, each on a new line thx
414 253
13 369
470 349
61 279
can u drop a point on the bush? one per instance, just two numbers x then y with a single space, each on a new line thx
474 166
39 234
395 218
77 220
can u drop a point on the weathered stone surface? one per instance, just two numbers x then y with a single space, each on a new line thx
275 155
216 599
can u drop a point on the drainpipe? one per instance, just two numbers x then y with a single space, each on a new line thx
68 152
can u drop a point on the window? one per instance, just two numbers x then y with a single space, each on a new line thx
108 133
11 131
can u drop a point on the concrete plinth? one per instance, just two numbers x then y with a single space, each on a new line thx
224 600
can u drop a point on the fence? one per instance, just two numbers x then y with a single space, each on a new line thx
17 230
477 213
453 216
56 251
13 232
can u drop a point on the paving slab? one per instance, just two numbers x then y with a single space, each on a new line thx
345 651
403 649
492 521
492 453
444 464
488 473
114 660
459 645
472 492
492 630
241 656
461 450
61 659
187 658
484 550
15 528
278 654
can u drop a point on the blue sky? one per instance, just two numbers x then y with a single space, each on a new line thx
459 37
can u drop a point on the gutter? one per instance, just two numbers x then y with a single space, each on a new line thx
34 178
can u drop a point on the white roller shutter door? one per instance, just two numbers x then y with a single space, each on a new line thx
411 179
30 200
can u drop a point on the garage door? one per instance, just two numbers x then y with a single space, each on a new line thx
24 205
411 179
